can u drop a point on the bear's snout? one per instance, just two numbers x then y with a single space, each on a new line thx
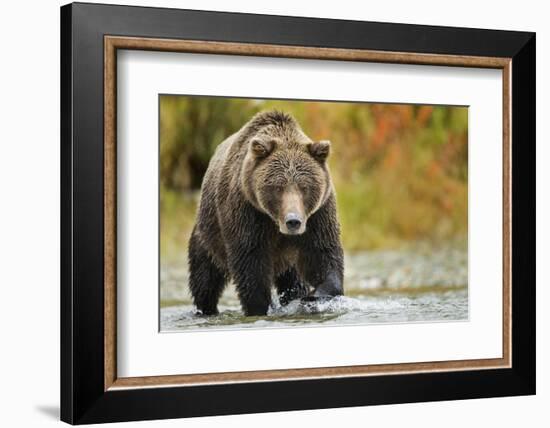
293 219
293 223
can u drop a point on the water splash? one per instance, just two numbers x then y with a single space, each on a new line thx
450 305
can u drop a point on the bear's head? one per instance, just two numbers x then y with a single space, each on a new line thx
284 172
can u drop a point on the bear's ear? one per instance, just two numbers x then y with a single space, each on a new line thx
261 148
319 150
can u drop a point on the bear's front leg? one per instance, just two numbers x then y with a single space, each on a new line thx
253 288
255 298
253 277
322 256
248 238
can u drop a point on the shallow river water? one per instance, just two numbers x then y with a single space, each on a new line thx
414 285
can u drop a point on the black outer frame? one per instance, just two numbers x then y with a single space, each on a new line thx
83 399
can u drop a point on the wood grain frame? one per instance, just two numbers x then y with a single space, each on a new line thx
113 43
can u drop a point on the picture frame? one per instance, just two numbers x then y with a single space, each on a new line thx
91 35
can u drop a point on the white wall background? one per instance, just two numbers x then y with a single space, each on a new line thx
29 213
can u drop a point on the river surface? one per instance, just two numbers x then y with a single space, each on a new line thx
412 285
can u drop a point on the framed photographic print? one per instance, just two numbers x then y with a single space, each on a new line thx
265 213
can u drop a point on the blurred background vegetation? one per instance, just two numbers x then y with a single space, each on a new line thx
400 171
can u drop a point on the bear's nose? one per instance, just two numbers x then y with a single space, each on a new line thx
292 221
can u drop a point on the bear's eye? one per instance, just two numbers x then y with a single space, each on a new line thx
262 149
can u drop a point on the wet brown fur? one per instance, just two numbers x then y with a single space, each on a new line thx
254 174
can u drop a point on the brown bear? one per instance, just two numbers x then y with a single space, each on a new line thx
267 217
